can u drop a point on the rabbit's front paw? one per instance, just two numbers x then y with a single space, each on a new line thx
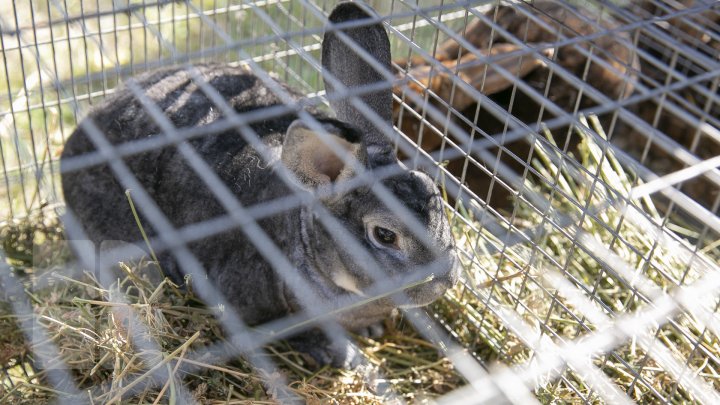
320 351
373 331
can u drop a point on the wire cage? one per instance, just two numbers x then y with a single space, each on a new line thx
574 145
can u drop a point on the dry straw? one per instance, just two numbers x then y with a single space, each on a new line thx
90 326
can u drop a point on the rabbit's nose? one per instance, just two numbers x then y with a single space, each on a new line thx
445 282
451 276
442 284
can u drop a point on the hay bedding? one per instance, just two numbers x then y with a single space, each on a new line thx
92 328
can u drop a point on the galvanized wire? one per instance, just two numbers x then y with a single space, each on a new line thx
690 69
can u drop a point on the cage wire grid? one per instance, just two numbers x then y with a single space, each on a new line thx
589 257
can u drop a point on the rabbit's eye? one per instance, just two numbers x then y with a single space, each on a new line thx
384 236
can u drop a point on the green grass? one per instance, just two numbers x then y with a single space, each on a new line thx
37 115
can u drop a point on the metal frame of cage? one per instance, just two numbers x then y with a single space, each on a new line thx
685 65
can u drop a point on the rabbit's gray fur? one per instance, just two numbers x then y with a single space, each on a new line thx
234 265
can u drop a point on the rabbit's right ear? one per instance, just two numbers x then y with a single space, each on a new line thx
341 58
313 160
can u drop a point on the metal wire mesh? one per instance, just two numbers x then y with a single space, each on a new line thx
576 145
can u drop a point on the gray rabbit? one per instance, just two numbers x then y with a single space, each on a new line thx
233 263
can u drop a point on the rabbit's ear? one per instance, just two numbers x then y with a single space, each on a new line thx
341 59
311 157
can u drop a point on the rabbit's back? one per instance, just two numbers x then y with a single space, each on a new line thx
94 192
123 118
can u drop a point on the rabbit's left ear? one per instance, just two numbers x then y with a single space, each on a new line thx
310 157
341 59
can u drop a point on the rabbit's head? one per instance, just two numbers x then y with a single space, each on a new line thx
397 220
